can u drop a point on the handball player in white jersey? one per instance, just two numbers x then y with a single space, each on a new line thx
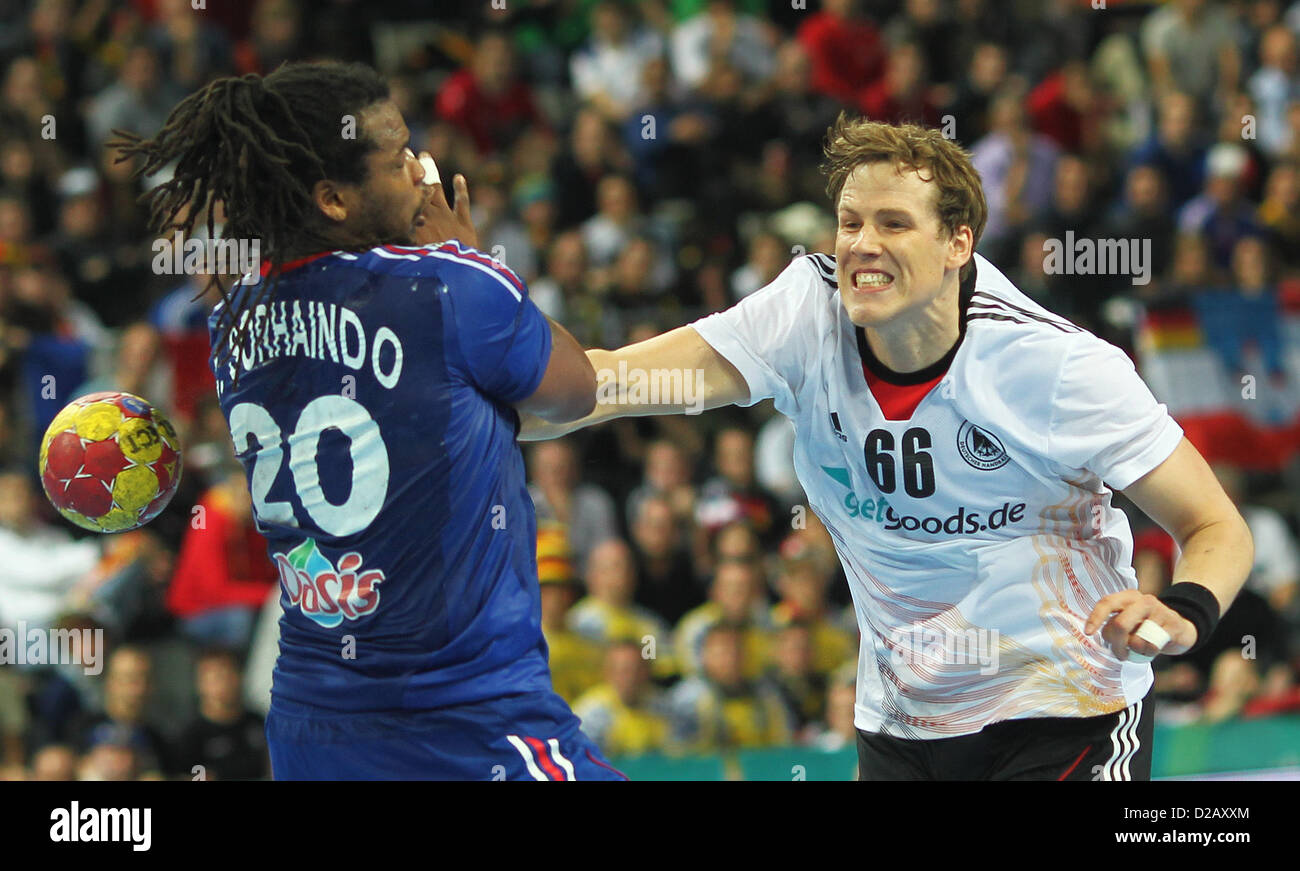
962 444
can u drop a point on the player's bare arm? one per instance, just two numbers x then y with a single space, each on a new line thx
1183 496
718 382
568 388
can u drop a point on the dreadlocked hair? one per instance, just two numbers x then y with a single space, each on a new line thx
257 146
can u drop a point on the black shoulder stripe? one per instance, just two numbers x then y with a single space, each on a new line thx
1019 319
823 261
825 266
985 298
995 317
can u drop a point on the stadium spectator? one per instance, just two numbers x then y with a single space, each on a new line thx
54 762
19 174
608 71
926 25
666 578
844 48
178 326
841 696
574 660
796 114
119 741
720 33
1176 147
974 91
1063 108
736 599
562 289
1235 129
666 137
190 50
1073 209
501 233
225 740
592 152
124 592
719 709
1143 213
768 255
1221 214
105 275
116 753
1016 166
802 582
585 510
1191 46
734 494
1279 213
138 101
609 610
221 578
487 99
275 37
666 475
626 715
42 563
1245 315
802 687
616 222
902 94
1273 87
58 336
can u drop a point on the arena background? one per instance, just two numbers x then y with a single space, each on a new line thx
640 165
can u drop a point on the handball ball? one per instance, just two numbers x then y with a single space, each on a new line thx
110 462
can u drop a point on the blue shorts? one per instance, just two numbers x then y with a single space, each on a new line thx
528 737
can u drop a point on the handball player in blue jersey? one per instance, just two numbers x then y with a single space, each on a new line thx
370 376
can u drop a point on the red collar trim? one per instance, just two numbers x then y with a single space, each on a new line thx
293 264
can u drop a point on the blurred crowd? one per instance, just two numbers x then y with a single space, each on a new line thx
639 164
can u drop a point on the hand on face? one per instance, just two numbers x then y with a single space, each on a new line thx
437 221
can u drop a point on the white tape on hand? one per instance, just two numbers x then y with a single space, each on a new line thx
430 170
1152 633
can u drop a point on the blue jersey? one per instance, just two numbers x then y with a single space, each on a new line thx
372 416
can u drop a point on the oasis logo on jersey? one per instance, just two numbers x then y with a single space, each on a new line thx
323 592
980 448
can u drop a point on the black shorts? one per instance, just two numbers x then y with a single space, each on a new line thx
1110 747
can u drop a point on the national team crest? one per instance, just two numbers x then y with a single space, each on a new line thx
981 448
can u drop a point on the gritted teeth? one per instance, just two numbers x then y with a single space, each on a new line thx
872 279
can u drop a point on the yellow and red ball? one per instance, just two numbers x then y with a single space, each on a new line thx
110 462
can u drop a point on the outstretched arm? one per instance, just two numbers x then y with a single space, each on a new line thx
675 373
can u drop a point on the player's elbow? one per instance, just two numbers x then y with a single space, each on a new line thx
567 392
575 406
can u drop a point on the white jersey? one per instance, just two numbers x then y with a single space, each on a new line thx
976 534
